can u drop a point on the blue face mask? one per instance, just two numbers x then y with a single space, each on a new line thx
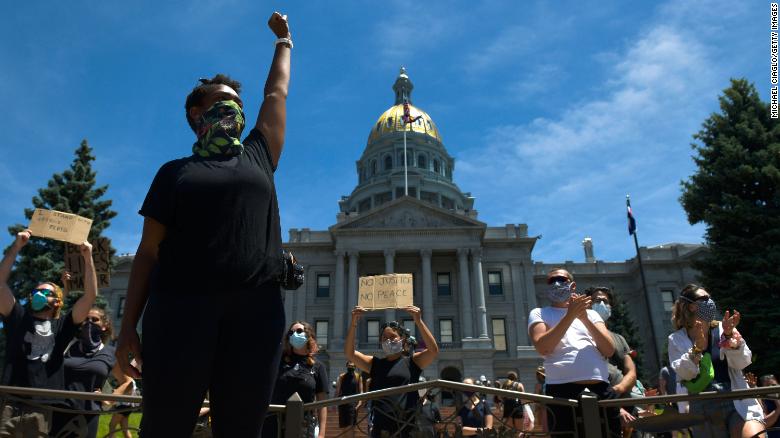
706 310
298 340
39 300
603 309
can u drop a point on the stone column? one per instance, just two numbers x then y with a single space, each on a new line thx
479 283
518 280
466 322
427 301
338 298
389 269
352 280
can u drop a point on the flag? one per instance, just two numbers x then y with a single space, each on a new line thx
631 220
407 117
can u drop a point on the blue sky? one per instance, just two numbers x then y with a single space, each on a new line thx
554 111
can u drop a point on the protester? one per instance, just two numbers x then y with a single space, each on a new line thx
301 372
428 414
89 359
574 342
771 406
125 385
709 355
400 366
512 407
476 415
349 383
211 250
36 337
621 367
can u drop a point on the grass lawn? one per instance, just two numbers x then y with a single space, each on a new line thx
135 420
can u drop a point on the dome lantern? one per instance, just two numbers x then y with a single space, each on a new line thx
403 88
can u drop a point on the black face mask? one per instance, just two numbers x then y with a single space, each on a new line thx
89 337
351 369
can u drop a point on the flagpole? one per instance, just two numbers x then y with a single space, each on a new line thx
406 176
644 282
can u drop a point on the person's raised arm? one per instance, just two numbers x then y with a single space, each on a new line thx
272 119
7 299
360 360
427 356
137 294
85 302
546 338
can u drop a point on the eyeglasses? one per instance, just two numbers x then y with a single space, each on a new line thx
695 299
299 330
557 279
601 300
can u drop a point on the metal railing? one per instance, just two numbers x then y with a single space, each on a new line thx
295 418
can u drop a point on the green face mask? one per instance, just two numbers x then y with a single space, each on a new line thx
219 130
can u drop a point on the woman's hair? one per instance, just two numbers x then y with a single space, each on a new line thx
682 317
311 343
58 293
108 333
403 333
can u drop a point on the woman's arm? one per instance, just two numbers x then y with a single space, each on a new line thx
322 413
680 358
137 294
272 118
427 356
85 302
360 360
7 299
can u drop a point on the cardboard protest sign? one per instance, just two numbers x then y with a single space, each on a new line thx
57 225
101 254
391 291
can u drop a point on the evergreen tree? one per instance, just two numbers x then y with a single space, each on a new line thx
72 191
735 192
621 322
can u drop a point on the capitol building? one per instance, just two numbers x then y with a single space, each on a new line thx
475 283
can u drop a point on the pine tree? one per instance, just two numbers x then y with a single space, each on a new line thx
735 192
621 322
72 191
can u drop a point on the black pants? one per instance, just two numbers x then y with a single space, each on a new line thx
561 418
226 343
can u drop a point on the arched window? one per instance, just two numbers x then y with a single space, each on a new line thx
373 167
422 162
436 167
388 162
409 158
389 121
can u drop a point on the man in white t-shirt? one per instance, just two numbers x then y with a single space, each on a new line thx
575 344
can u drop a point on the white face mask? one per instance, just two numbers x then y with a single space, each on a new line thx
392 347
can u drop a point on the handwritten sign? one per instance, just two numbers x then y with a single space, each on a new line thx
391 291
57 225
101 254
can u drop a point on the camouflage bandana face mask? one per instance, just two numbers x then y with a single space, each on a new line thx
219 130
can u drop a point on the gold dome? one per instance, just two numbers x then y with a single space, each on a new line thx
392 121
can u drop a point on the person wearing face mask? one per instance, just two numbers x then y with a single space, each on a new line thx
36 337
709 355
476 415
574 343
211 249
301 372
400 366
349 383
622 370
771 406
89 360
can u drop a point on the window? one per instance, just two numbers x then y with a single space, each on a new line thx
388 162
445 331
499 334
321 332
443 284
372 331
410 158
668 299
494 283
422 163
389 121
364 205
323 285
120 308
373 167
436 167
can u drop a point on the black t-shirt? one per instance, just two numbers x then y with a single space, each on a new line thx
298 376
349 384
221 218
87 374
34 349
389 374
474 416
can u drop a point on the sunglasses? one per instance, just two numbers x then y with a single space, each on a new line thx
298 330
45 292
558 279
95 319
